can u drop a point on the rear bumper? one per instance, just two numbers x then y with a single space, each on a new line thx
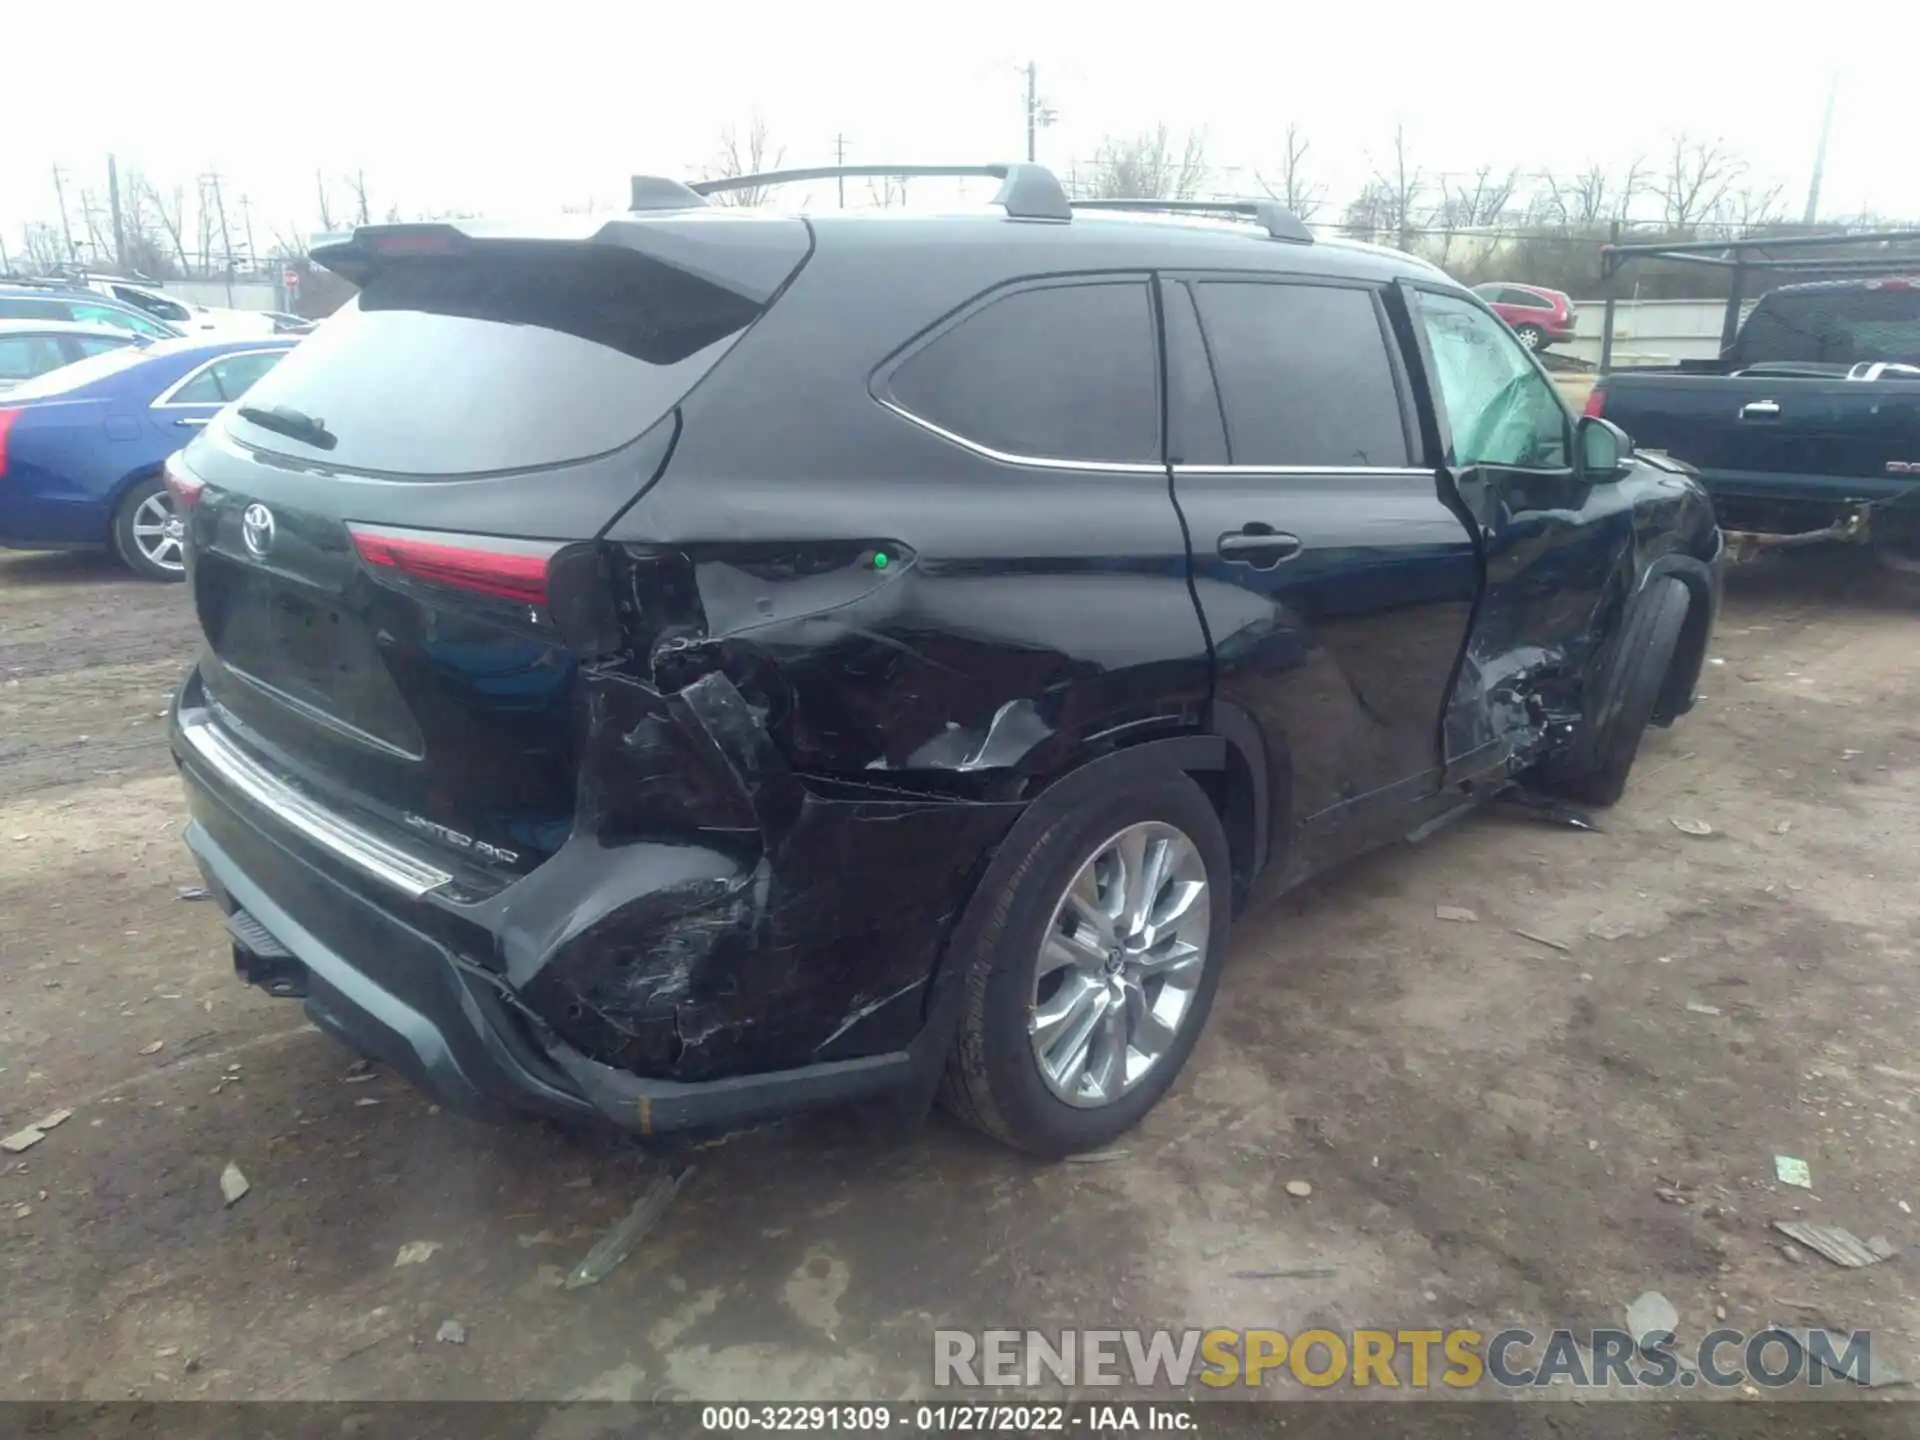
458 1038
417 981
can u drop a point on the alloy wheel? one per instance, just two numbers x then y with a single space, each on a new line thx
1120 964
159 533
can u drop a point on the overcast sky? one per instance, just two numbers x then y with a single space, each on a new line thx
518 107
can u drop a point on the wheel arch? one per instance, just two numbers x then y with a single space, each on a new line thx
1690 654
117 493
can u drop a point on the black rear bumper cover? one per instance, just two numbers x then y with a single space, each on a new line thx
414 1006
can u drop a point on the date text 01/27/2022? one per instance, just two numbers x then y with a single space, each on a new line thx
948 1419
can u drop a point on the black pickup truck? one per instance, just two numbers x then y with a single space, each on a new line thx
1807 428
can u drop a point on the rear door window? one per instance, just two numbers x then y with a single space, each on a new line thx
530 356
1050 372
1304 374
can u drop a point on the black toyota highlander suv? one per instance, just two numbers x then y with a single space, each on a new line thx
712 662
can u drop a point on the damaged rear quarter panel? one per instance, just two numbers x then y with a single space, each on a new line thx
796 771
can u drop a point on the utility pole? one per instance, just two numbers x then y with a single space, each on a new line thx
1820 155
113 204
840 158
66 228
1038 115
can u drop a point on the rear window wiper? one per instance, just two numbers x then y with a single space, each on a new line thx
296 425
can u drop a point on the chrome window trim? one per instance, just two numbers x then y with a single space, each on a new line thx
411 876
166 400
1038 462
1388 472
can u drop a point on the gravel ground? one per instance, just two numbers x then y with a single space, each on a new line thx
1496 1130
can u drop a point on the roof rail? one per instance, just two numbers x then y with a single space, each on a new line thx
658 192
1027 191
1280 222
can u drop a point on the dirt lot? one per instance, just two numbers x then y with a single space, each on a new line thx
1484 1118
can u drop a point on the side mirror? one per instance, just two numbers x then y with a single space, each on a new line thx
1604 448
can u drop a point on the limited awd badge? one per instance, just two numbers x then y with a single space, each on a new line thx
256 529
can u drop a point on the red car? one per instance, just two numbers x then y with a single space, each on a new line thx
1539 317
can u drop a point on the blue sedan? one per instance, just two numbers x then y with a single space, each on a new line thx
81 448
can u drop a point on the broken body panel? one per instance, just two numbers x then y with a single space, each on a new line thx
709 808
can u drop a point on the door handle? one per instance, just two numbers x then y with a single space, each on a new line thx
192 421
1258 545
1760 410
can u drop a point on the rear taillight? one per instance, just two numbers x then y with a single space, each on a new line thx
183 484
1596 402
506 569
7 417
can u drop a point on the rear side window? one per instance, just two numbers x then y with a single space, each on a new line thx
24 356
152 304
1056 372
530 356
1304 374
227 379
119 319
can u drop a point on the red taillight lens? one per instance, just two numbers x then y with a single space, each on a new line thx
7 417
1596 402
505 569
184 485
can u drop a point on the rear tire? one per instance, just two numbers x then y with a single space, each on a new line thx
1531 336
147 535
1017 986
1629 689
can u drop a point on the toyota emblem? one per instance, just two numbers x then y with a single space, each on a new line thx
256 528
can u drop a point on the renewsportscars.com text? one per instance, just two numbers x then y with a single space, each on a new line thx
1450 1360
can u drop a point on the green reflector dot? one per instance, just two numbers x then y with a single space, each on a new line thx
879 559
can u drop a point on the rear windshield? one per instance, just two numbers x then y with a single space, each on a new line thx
1834 327
508 358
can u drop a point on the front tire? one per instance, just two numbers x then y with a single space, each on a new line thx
148 535
1093 973
1629 689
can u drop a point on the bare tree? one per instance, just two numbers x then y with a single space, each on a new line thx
1295 192
146 251
44 249
170 211
1146 167
326 201
1749 208
357 187
204 215
887 191
287 244
1477 203
1695 180
1399 186
751 157
93 218
1369 215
